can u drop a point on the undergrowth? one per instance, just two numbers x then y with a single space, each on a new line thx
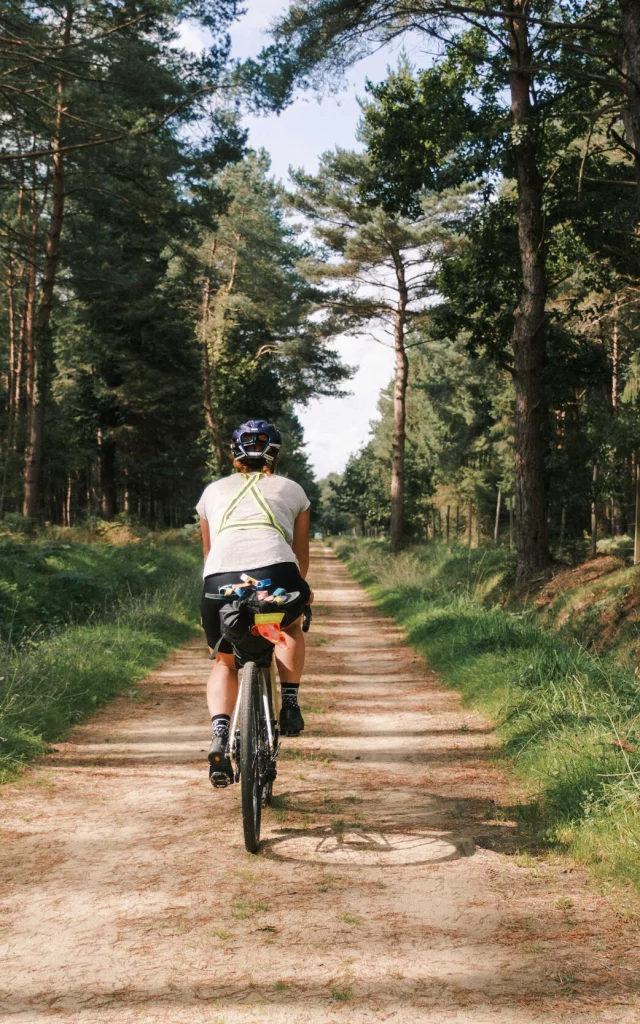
89 621
46 585
567 714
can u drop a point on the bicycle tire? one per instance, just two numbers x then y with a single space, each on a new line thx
250 787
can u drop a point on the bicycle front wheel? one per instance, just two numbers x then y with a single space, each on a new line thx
250 714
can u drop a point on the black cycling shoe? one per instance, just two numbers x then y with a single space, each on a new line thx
220 770
291 721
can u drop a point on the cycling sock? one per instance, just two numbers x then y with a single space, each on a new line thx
290 695
220 726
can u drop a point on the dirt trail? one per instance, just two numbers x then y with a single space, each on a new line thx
387 889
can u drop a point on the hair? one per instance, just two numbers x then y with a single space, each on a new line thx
255 465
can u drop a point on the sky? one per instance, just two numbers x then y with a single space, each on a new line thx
334 427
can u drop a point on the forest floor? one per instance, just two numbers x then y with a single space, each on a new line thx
393 883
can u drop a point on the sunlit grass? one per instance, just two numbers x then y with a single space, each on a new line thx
567 715
45 688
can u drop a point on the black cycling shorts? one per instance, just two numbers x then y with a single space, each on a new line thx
282 574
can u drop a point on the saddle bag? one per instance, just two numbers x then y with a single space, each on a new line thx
237 619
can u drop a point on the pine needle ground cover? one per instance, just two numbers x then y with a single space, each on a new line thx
567 708
79 624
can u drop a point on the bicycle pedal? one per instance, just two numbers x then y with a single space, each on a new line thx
220 780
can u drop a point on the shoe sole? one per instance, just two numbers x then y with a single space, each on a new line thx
219 777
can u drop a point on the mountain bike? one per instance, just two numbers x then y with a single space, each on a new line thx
254 739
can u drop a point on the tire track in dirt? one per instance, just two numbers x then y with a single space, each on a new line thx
388 889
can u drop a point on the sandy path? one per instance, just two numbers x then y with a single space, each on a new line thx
388 888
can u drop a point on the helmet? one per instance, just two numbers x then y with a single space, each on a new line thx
256 439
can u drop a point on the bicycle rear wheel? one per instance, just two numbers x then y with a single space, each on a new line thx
250 738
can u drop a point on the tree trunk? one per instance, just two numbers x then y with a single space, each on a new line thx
630 25
470 524
563 527
33 456
11 326
615 359
496 527
207 385
457 522
594 514
636 538
67 503
529 338
13 389
448 522
32 453
399 412
126 497
108 486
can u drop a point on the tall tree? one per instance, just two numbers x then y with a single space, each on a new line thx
385 265
517 41
260 349
75 80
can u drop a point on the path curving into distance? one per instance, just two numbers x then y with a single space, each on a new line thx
389 887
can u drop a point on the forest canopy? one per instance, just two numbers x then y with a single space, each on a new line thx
157 285
150 290
522 381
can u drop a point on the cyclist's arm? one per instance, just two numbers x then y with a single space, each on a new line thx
206 538
300 542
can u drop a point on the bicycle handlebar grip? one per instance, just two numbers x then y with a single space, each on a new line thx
306 618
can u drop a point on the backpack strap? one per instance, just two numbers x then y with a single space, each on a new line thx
251 488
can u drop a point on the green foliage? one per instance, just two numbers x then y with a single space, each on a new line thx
567 716
47 687
367 255
46 585
423 132
459 448
175 275
118 372
250 305
463 122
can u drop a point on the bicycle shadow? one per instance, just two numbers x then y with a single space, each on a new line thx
357 846
468 823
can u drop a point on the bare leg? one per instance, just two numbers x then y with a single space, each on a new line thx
222 686
290 660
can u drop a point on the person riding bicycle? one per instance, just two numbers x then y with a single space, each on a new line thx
256 523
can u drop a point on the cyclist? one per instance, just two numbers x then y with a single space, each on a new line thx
257 523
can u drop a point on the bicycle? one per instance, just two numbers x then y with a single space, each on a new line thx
254 735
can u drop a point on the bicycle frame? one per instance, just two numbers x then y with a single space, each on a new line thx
271 700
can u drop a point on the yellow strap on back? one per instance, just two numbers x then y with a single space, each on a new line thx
250 489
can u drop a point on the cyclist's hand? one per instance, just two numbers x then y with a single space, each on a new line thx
311 597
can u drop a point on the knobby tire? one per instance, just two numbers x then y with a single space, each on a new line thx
250 737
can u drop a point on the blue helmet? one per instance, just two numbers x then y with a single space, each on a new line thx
256 439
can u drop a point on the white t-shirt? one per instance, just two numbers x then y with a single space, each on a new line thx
240 549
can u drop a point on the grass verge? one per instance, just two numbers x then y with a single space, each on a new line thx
47 687
568 716
48 584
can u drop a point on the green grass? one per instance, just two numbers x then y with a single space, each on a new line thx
46 585
56 675
561 708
